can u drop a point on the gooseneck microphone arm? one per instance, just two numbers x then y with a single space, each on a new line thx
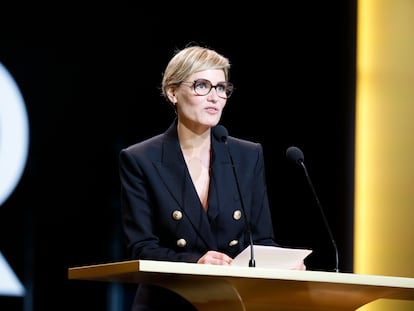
221 134
323 216
295 155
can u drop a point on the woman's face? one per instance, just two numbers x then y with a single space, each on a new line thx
200 111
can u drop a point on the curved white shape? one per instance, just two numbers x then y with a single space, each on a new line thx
9 283
14 146
14 134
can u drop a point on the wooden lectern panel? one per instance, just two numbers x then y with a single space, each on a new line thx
223 288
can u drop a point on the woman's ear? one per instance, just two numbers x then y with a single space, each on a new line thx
171 95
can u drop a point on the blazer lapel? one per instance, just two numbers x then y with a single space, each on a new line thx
174 174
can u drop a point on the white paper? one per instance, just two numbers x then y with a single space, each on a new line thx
272 257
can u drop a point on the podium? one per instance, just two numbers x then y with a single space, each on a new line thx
224 288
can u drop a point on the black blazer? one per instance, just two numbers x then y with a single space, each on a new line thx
162 216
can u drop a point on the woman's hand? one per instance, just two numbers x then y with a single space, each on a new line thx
300 266
215 258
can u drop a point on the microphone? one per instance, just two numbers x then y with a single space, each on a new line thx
221 134
295 155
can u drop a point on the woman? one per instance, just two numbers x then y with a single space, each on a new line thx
180 197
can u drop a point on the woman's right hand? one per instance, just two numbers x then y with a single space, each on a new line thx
215 258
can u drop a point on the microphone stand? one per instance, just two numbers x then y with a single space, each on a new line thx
323 215
221 134
252 262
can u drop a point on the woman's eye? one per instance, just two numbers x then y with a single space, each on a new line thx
201 85
220 88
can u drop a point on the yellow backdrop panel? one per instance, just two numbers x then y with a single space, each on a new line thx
384 159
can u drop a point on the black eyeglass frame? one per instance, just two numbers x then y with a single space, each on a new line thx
229 87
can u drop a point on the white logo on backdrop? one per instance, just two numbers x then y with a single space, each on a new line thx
14 145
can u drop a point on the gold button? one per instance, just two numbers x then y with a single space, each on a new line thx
177 215
237 214
233 242
181 243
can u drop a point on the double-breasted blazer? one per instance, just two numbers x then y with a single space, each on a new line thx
162 216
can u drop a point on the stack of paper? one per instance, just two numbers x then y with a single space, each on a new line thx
272 257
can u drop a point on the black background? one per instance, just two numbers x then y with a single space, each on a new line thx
90 77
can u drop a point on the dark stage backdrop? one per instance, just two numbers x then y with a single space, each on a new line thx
90 80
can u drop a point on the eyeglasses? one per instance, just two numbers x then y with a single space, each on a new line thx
203 87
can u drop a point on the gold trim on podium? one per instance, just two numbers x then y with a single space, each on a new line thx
223 288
